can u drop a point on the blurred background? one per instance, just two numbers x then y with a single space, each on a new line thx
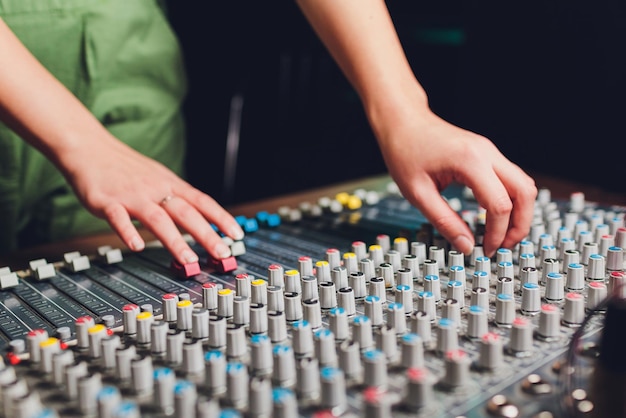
544 80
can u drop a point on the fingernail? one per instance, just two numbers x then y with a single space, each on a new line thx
222 250
189 256
236 233
136 244
463 244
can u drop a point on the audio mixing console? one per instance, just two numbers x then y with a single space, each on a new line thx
351 306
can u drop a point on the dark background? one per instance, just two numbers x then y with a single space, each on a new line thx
545 80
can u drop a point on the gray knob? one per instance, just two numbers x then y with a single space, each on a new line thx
88 388
345 299
549 322
505 310
225 302
386 341
193 357
483 264
451 309
260 397
490 351
164 383
555 287
531 299
339 275
420 325
575 276
477 324
574 309
597 267
307 378
144 321
480 279
258 319
404 297
109 398
338 323
142 375
457 367
284 366
447 336
521 341
243 284
305 266
184 309
236 347
367 267
528 275
412 351
168 302
123 358
596 294
185 397
259 291
241 310
277 329
375 369
356 280
376 288
293 307
217 331
480 297
505 285
130 312
158 337
292 281
275 275
457 274
302 338
285 403
374 310
215 371
350 359
312 313
328 295
333 389
322 271
405 277
456 291
261 360
309 288
362 332
81 324
325 348
426 303
59 361
419 388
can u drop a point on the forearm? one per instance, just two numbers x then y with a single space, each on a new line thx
38 107
361 37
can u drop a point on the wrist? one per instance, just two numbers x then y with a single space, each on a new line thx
388 111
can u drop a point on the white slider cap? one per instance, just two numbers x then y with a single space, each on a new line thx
8 280
76 262
113 256
45 271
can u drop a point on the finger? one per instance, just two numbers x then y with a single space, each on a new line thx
192 221
444 219
120 221
212 211
157 220
523 194
491 194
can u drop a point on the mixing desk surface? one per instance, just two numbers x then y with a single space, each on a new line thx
351 306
